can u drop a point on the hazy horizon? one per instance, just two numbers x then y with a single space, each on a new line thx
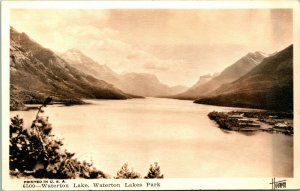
177 46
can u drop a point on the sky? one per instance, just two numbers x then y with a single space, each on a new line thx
176 45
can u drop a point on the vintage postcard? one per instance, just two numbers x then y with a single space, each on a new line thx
146 95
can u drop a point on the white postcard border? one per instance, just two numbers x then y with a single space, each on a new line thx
184 183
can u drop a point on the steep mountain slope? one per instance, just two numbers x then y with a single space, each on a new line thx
231 73
142 84
269 85
174 90
188 93
83 63
37 72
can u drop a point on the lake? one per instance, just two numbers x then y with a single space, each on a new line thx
175 133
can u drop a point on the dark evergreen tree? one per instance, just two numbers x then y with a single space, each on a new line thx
125 173
154 171
35 152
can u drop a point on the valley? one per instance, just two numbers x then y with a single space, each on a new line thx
127 88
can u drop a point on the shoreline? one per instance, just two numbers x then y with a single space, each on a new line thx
251 121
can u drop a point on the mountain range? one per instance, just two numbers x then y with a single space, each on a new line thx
90 67
269 85
147 85
208 83
256 80
37 72
143 84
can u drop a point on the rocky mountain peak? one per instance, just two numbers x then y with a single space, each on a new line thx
74 51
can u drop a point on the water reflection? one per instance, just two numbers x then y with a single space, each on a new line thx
249 133
175 133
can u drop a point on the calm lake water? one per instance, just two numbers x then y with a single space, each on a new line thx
175 133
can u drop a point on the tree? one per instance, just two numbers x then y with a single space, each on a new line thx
125 173
35 152
154 172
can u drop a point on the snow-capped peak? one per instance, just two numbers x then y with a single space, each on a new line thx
74 55
262 53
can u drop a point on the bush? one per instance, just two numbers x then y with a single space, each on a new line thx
125 173
35 152
154 172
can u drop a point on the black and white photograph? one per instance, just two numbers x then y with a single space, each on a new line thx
108 93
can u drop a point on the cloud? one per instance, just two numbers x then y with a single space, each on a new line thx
176 45
104 46
89 32
152 66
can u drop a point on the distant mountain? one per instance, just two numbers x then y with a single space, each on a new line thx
174 90
189 93
87 65
207 84
37 72
148 85
142 84
269 85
